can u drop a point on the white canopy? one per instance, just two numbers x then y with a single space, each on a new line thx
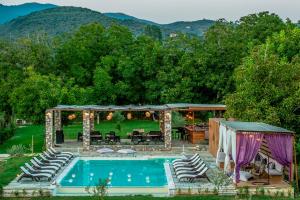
227 147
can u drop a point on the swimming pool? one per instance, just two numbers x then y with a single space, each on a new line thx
148 172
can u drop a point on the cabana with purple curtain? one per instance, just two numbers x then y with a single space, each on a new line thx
241 141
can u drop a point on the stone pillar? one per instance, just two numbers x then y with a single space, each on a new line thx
86 123
57 120
161 121
168 129
49 128
92 118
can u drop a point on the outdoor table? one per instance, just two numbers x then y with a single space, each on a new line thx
96 138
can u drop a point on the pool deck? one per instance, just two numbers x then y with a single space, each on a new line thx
177 145
26 187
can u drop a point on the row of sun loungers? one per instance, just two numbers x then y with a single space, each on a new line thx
190 169
46 166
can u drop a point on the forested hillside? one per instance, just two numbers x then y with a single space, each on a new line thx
8 13
252 66
122 16
61 20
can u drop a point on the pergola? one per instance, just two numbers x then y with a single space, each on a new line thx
53 117
243 140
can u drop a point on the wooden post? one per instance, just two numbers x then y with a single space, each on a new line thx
193 120
32 144
92 120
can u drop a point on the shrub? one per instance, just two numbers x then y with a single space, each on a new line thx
6 133
220 180
1 190
99 190
177 119
118 118
17 150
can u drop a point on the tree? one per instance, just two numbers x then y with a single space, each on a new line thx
224 51
178 75
37 93
104 92
153 31
118 118
256 28
78 55
137 71
268 82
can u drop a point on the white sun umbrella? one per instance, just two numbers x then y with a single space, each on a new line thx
105 150
126 151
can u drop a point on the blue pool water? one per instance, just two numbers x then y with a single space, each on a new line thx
120 173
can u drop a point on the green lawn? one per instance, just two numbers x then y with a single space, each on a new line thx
209 197
24 135
127 126
10 168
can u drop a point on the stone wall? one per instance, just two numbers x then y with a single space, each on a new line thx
49 128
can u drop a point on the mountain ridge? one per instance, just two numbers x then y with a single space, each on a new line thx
123 16
62 19
10 12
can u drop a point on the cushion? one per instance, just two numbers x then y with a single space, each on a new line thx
271 165
221 156
273 172
245 176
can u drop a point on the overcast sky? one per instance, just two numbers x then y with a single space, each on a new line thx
166 11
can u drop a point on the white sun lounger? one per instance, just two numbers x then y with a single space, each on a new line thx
51 153
44 171
189 167
46 163
58 152
191 171
194 162
191 177
36 176
60 162
48 156
38 166
186 159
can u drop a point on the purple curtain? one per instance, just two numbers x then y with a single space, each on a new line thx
281 147
247 146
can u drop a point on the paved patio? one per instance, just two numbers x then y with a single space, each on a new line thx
178 146
26 187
